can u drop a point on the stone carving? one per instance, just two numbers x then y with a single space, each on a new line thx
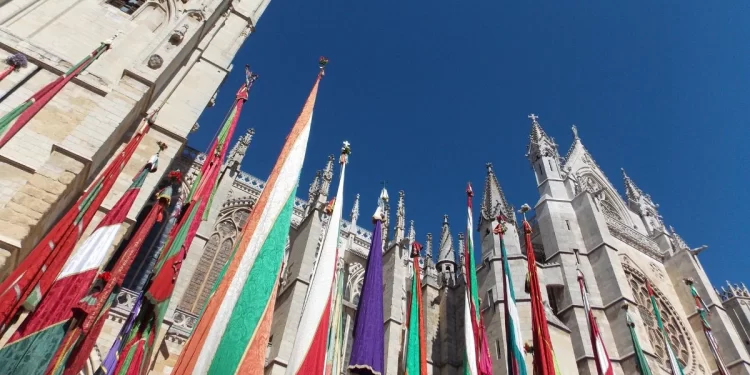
734 291
195 128
155 61
354 282
215 254
632 237
178 35
240 147
656 270
125 301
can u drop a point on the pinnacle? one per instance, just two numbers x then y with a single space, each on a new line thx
537 133
446 250
540 144
428 246
632 191
355 212
493 201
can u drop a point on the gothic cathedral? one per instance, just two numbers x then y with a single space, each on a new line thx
166 59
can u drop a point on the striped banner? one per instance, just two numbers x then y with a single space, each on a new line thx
640 356
309 350
481 352
35 343
544 355
34 276
25 111
603 363
416 345
233 332
674 364
704 312
334 353
516 363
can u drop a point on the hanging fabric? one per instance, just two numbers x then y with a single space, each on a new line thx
416 343
603 363
514 353
544 360
34 276
477 350
309 350
25 111
367 356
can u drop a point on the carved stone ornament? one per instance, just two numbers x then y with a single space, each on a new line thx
178 34
195 128
155 61
656 270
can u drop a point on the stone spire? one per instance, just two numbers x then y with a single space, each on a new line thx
385 207
679 243
632 192
412 233
355 213
461 246
643 205
240 148
325 185
428 248
446 251
540 144
446 265
400 229
318 193
313 190
494 202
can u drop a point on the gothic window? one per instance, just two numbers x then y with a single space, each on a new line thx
215 255
673 326
354 282
609 209
127 6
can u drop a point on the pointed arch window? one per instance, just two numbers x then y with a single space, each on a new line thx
215 254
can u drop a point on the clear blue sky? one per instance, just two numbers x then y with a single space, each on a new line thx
427 92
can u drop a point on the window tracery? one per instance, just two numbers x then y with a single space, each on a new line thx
215 254
354 282
678 336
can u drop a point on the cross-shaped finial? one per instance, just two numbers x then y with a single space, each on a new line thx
533 117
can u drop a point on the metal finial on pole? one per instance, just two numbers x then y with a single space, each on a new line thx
524 209
322 62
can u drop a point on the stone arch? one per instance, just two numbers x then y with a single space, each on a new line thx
607 199
679 335
215 254
354 282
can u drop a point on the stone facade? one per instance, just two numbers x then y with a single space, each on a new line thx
173 55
